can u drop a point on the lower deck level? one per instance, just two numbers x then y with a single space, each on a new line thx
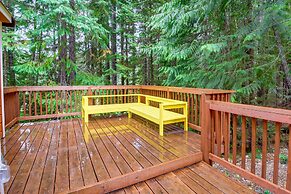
67 155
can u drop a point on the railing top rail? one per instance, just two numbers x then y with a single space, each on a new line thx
187 90
106 96
160 88
266 113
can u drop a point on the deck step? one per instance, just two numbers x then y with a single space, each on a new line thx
141 175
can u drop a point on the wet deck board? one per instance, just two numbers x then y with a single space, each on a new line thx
63 155
191 180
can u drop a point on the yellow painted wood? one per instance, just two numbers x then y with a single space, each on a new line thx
160 116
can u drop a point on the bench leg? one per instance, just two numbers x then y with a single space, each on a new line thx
86 117
186 125
129 114
161 130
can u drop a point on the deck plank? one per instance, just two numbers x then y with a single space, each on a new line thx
99 166
13 131
89 175
141 146
59 156
20 153
47 184
153 184
62 182
16 142
135 160
75 172
34 180
115 154
22 175
218 179
171 142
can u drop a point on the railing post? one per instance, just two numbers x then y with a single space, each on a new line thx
168 93
89 93
205 127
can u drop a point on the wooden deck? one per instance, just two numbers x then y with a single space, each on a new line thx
65 155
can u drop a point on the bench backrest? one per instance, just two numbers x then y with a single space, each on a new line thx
87 100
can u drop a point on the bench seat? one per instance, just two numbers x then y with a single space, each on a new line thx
153 114
108 108
160 116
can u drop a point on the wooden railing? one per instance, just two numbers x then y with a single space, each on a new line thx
45 102
237 136
190 95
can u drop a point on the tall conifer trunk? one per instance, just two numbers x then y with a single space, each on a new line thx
72 48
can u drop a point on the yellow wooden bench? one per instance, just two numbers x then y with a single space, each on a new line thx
160 116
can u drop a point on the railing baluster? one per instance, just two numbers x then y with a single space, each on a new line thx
40 102
212 127
57 102
66 97
226 138
24 103
71 101
46 108
35 103
218 131
243 147
264 148
29 103
253 159
234 138
75 101
288 181
196 109
51 101
276 152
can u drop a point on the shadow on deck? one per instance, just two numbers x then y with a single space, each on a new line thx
66 155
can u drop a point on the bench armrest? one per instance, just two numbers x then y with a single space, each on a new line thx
85 101
183 105
174 105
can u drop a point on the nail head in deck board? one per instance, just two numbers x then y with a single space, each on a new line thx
141 175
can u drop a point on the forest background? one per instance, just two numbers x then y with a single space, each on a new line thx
226 44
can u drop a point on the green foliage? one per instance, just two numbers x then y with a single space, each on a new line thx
283 158
206 44
222 44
